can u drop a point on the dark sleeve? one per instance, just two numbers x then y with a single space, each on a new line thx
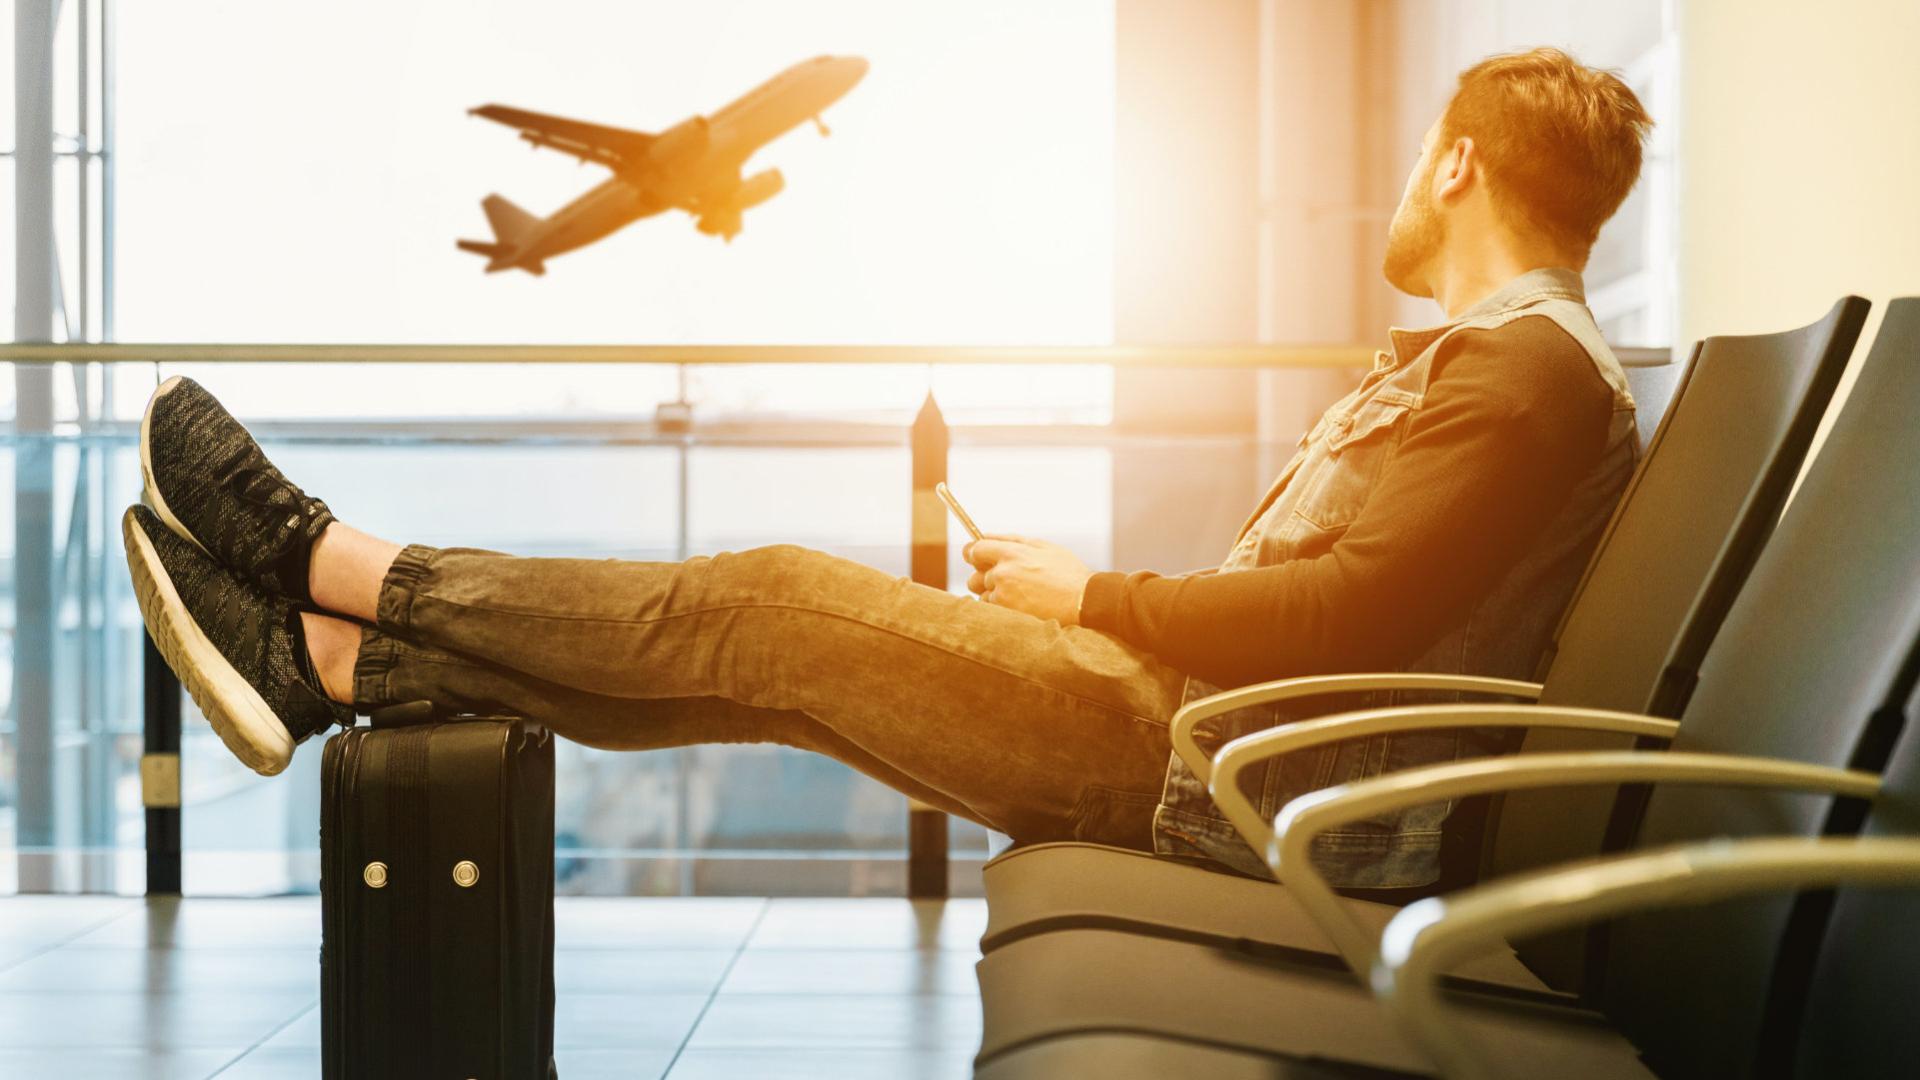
1514 418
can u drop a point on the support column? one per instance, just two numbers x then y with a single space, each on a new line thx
926 826
160 773
33 22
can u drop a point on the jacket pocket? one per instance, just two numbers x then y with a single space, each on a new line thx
1357 452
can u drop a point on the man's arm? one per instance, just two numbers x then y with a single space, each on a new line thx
1514 419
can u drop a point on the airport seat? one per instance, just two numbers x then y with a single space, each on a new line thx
1803 695
1824 982
1857 1015
1695 513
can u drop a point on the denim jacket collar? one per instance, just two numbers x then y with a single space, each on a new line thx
1547 282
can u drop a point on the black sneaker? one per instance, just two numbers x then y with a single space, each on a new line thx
238 650
208 481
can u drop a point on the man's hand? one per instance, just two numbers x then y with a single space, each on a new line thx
1033 576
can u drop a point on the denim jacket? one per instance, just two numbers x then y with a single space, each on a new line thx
1505 634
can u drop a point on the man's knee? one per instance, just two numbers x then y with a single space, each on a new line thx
793 570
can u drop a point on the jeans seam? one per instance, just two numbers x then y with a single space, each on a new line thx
557 617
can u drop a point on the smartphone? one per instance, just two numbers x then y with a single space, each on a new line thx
953 504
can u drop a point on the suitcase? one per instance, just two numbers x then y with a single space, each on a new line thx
436 885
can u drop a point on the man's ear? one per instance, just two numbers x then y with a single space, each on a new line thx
1457 170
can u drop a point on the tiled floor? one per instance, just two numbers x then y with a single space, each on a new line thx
105 989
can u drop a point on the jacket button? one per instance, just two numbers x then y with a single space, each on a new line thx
375 875
465 873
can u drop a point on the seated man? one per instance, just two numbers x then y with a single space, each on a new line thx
1435 519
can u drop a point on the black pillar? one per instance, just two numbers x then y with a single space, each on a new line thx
162 724
927 827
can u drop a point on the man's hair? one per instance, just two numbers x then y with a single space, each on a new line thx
1559 141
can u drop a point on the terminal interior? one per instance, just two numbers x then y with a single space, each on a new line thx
1099 266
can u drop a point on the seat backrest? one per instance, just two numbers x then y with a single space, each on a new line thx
1680 545
1698 509
1858 1018
1804 667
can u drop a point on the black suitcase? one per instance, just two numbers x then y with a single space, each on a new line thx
436 886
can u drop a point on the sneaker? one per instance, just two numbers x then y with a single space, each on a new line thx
238 650
209 482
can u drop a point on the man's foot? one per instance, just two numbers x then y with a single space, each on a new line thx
209 482
238 650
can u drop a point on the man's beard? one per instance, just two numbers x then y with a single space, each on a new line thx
1413 240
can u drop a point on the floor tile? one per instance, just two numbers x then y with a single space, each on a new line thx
802 1064
737 1021
581 1020
872 924
171 923
299 1034
628 1063
276 1065
849 989
83 968
14 952
609 1021
118 1064
665 922
29 925
634 971
852 971
120 1019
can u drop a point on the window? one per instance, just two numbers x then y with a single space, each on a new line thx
300 175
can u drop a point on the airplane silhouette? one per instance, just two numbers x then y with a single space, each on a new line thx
692 166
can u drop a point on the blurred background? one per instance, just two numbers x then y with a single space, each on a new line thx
1074 173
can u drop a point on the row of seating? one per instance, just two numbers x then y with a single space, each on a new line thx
1719 739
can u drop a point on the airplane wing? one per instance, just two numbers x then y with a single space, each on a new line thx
609 146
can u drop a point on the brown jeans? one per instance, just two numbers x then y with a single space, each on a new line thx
1041 731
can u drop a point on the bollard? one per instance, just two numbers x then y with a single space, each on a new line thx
927 827
160 772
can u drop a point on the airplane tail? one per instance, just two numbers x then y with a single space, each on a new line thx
511 225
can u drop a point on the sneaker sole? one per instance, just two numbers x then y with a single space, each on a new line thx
239 715
152 490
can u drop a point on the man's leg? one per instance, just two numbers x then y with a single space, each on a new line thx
1032 725
389 670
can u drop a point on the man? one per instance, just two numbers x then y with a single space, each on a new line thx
1435 519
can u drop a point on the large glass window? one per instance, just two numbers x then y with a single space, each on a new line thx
300 174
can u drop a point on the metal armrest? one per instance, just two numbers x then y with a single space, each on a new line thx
1249 750
1427 938
1317 811
1185 722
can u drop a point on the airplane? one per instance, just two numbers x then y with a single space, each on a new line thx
693 166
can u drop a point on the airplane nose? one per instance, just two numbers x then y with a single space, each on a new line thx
856 68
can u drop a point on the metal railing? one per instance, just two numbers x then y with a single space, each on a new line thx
1163 356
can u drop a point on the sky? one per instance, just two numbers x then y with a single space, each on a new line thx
299 172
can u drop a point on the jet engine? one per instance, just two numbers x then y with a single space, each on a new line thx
758 188
723 217
723 221
681 142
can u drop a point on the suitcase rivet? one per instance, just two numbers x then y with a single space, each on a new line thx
375 875
465 873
